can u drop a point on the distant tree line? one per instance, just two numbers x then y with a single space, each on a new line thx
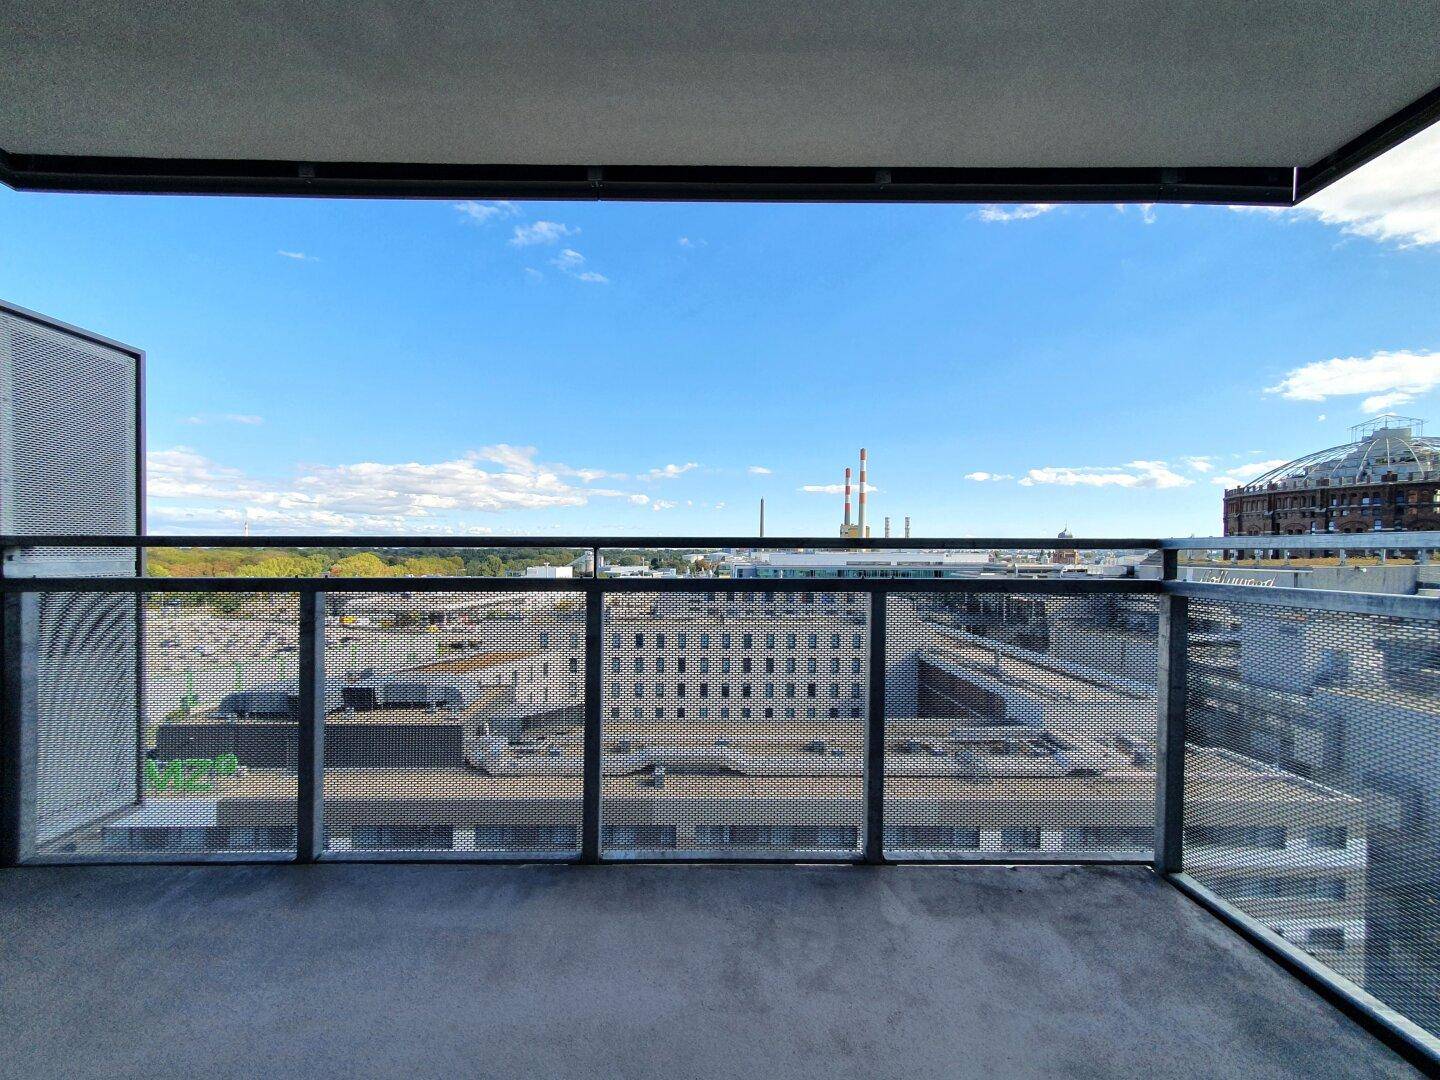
383 562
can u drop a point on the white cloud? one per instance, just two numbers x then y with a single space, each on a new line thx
185 486
1137 474
669 472
1198 463
663 504
988 477
1018 212
531 274
758 470
1147 211
298 256
541 232
571 262
1320 418
1395 198
834 489
1243 474
481 212
1389 378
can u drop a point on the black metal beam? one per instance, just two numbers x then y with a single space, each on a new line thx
874 773
591 777
310 762
18 695
1173 688
602 543
1271 186
1370 144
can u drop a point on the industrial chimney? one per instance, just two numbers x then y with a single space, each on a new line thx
907 526
860 522
887 526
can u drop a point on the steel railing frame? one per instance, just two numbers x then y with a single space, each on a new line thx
309 594
1175 596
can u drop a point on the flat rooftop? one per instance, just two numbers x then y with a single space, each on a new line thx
646 971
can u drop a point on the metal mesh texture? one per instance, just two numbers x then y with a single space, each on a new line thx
454 722
1311 800
1020 724
206 763
68 434
733 724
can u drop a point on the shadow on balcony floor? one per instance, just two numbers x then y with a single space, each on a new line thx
641 971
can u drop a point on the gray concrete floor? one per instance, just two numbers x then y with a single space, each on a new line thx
643 971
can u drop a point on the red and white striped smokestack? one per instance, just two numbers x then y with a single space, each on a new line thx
847 496
861 520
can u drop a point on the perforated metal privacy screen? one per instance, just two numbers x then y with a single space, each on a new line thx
202 759
734 723
454 721
1020 723
68 435
1311 798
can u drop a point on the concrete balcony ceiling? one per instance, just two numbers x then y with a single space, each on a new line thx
1213 99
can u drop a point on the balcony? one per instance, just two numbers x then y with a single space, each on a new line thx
1000 799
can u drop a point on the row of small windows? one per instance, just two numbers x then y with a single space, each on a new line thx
767 690
702 665
1018 838
1265 837
727 640
1282 888
789 712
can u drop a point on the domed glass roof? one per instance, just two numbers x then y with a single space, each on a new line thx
1385 445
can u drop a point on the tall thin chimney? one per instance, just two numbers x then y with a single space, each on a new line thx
887 526
907 526
762 518
847 498
861 520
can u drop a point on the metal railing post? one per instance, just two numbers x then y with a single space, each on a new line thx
590 766
874 785
21 615
310 786
1170 735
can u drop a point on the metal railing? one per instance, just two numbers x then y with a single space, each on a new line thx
1272 743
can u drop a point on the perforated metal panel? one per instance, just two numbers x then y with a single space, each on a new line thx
86 758
454 722
204 762
1311 799
68 437
1019 723
733 723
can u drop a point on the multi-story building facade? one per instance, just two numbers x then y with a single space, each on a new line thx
1387 478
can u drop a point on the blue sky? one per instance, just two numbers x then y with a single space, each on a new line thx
324 365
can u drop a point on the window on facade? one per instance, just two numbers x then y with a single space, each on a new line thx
1330 837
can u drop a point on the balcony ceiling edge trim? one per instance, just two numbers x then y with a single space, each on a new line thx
1265 186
